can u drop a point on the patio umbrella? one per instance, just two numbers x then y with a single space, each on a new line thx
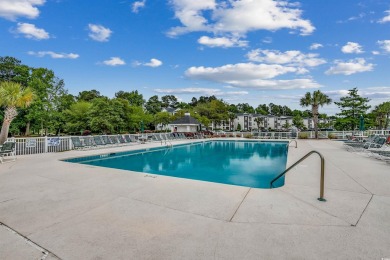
361 123
142 126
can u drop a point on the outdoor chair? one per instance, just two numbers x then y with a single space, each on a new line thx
379 143
360 145
376 143
106 140
381 155
157 138
8 149
88 141
98 141
121 139
128 139
113 139
356 140
133 138
77 144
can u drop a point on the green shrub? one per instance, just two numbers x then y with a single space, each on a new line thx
303 135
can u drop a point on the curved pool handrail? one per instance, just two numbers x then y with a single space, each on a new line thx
293 140
321 198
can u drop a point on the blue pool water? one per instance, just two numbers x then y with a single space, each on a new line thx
244 163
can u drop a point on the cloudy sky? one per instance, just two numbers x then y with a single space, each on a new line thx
244 51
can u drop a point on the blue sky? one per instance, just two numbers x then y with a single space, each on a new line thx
248 51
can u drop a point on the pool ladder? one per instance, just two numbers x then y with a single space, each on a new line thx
321 198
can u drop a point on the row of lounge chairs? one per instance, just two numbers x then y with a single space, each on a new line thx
376 146
101 141
273 135
97 141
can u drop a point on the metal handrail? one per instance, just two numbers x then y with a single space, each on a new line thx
321 198
296 143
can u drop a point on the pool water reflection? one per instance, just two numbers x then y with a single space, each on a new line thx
244 163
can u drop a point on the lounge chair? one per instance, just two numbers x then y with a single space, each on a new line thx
359 141
121 139
88 141
128 139
113 140
7 149
77 144
98 141
360 145
133 138
106 140
157 138
379 143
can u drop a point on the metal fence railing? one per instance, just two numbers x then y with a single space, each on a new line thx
45 144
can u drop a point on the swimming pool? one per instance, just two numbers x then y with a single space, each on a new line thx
245 163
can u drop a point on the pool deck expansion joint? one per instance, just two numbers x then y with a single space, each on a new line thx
239 205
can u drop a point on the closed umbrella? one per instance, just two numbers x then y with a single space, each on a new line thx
361 123
142 126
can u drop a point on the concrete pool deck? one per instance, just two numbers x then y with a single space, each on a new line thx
51 209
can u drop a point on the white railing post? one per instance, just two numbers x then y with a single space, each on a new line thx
46 147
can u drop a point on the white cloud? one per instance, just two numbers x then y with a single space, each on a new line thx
292 58
375 52
316 46
114 61
240 71
373 93
154 63
276 84
386 18
99 33
335 94
352 47
54 55
201 91
31 32
267 40
138 5
350 67
379 88
249 75
238 17
222 42
385 45
12 9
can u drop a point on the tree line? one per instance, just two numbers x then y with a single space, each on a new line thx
36 101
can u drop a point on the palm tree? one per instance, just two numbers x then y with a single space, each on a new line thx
13 96
317 99
259 121
231 117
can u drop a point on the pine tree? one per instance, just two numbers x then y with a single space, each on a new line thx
352 106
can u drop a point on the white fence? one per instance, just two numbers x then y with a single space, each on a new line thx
37 145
